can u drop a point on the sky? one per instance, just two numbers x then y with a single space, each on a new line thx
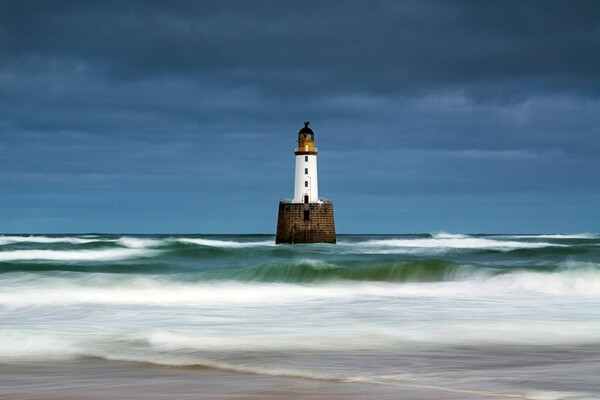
182 116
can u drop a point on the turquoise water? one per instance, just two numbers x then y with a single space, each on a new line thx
513 316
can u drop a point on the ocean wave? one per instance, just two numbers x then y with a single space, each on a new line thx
221 243
133 241
19 289
445 242
311 270
582 281
174 349
437 243
96 289
34 345
455 332
554 236
138 243
46 239
446 235
110 254
28 345
195 348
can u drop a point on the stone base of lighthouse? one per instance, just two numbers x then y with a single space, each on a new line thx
305 223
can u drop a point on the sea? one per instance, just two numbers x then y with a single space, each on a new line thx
423 316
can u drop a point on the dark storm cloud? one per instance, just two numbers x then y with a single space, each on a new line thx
73 64
127 105
307 47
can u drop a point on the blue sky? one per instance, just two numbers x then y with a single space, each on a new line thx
146 117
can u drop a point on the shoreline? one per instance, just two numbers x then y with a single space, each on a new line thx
95 379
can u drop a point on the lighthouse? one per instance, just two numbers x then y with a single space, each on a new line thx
305 218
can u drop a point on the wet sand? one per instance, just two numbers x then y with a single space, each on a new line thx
94 379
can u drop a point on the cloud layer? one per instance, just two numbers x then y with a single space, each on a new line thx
148 116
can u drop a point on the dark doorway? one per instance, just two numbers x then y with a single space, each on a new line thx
305 199
307 215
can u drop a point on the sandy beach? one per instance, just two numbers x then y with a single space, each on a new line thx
95 379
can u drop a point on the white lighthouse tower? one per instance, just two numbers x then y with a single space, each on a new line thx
306 184
305 218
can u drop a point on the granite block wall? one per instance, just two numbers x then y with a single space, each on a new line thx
305 223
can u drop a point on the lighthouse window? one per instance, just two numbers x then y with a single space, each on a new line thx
305 183
305 171
306 158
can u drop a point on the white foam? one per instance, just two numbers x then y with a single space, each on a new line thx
167 341
555 236
446 235
100 289
138 243
45 239
182 360
74 255
223 243
579 282
167 348
34 345
20 289
555 395
445 242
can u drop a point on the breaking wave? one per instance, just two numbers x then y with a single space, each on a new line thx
439 242
304 271
452 242
555 236
45 239
132 241
115 289
74 255
222 243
